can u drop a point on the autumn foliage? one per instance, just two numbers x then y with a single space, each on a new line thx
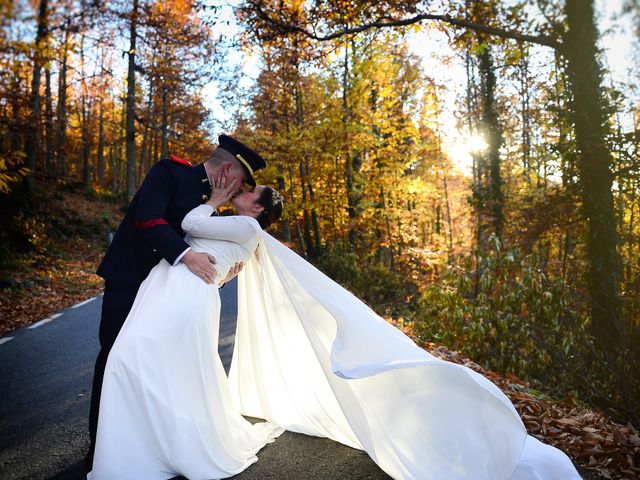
527 261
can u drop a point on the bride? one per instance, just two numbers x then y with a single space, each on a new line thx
309 357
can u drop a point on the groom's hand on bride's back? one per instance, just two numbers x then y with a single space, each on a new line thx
201 264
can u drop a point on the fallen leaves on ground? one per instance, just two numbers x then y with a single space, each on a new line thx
46 282
45 291
605 448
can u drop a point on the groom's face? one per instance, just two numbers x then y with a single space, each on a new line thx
238 174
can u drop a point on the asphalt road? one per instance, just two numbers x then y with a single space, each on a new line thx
45 388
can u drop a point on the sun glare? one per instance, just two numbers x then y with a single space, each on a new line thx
474 143
460 148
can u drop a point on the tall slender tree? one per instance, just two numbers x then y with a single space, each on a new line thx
33 138
130 135
604 275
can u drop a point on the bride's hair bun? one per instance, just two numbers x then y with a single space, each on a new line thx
272 202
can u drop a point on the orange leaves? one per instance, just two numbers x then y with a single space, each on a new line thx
28 304
63 273
178 12
588 437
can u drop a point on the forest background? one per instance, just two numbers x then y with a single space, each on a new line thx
526 257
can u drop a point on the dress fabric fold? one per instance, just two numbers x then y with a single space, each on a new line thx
312 358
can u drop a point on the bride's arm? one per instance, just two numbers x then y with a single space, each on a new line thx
199 223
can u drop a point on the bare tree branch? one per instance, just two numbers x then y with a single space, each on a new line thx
148 124
285 28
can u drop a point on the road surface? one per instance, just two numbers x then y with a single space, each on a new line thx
45 388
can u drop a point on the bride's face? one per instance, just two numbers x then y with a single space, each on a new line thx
246 203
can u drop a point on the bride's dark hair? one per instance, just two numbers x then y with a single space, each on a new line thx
271 200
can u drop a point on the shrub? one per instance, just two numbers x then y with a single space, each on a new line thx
389 291
513 318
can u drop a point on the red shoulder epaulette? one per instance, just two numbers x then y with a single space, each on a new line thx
181 161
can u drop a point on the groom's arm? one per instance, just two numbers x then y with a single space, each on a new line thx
155 193
154 196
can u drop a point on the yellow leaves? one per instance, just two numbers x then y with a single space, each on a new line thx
512 54
11 172
479 48
416 186
364 135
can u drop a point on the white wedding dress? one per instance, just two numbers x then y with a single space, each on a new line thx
308 357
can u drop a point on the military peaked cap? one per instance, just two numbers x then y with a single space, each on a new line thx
250 159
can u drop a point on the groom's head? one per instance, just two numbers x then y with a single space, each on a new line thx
236 160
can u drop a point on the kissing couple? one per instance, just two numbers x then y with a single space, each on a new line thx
309 356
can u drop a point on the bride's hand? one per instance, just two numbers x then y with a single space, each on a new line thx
221 194
233 271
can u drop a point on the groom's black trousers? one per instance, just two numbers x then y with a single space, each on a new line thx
116 304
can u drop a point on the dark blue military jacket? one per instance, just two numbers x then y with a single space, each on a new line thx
151 228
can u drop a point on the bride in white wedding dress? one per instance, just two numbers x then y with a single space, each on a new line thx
166 407
309 357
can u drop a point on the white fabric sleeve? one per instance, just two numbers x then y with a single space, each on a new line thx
179 257
199 223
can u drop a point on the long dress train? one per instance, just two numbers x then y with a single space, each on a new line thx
314 359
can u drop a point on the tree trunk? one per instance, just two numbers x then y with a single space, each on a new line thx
155 156
130 135
32 140
611 332
143 151
286 228
86 141
526 127
101 144
114 149
350 160
630 233
317 243
15 127
85 113
101 126
122 153
112 167
62 109
165 148
594 167
49 141
451 255
147 135
493 136
478 171
305 210
303 247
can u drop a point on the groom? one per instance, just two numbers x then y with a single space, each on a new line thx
150 231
